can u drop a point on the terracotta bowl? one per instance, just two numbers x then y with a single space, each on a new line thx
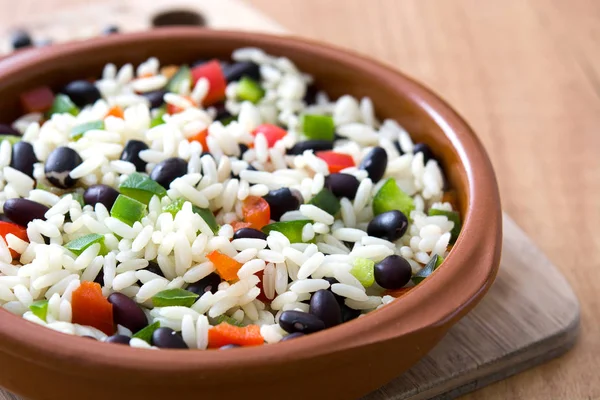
340 363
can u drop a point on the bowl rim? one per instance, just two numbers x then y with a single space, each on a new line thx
483 221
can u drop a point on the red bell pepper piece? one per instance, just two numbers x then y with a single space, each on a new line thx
272 133
256 211
17 230
90 308
336 161
213 72
173 109
39 99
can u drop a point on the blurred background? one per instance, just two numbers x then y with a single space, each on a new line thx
524 73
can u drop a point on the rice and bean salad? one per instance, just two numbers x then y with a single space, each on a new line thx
212 205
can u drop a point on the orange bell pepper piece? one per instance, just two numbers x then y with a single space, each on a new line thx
256 211
224 334
200 137
226 266
115 111
90 308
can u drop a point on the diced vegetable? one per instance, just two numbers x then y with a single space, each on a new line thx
200 137
173 109
391 197
363 270
250 90
11 139
141 188
204 213
39 99
40 309
78 197
397 293
452 216
224 334
89 307
336 161
63 104
146 333
158 117
213 72
174 297
237 225
78 245
428 269
262 296
228 320
272 133
226 266
17 230
168 71
326 201
290 229
78 130
256 211
115 111
318 127
182 76
127 210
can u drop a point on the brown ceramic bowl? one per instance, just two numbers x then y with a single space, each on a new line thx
341 363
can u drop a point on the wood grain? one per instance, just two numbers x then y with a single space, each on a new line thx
526 75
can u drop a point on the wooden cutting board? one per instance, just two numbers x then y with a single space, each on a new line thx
530 314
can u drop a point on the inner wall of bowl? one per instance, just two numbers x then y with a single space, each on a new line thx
331 69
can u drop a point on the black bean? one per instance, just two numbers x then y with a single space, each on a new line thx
393 272
235 71
222 113
397 146
390 225
375 163
23 211
229 346
156 97
23 158
110 29
6 129
131 153
168 170
249 233
426 150
82 92
99 279
20 39
154 268
314 145
118 339
100 194
281 201
297 321
209 283
127 313
292 336
243 149
167 338
310 96
324 305
4 218
348 314
59 164
342 185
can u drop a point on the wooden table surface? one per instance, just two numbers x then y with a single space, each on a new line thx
526 75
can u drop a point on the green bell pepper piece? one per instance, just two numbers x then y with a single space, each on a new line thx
141 188
78 131
40 309
78 245
391 197
158 117
174 297
364 270
452 216
250 90
127 210
428 269
318 127
146 333
12 139
290 229
326 201
63 104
